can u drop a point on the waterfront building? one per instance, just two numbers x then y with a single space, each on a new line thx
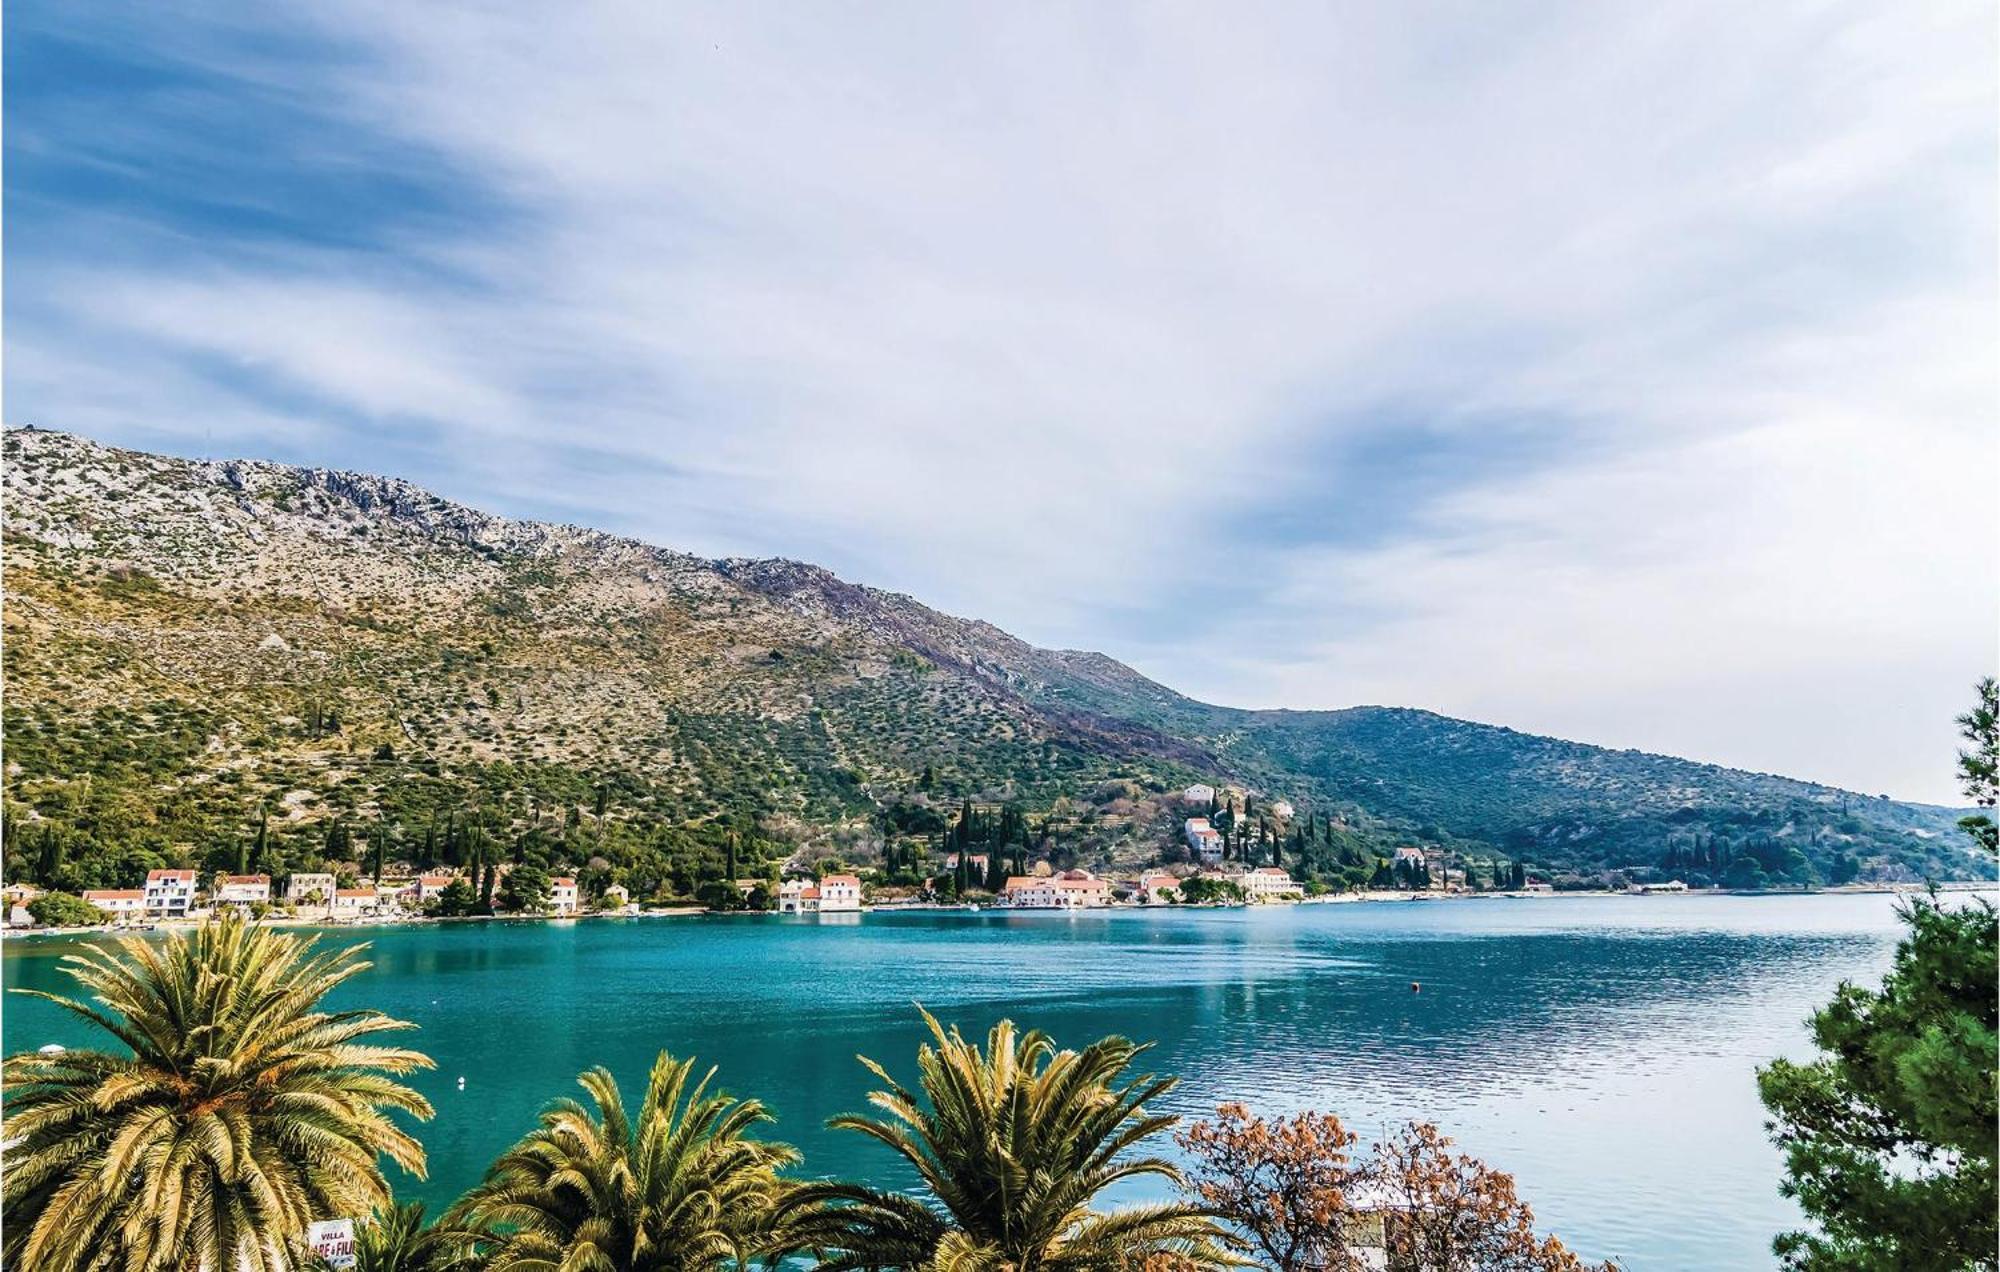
1671 885
1269 883
303 885
1070 890
562 894
798 896
617 896
350 902
432 885
169 892
122 904
14 899
1158 889
839 892
243 889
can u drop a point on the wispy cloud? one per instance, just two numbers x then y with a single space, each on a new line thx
1623 373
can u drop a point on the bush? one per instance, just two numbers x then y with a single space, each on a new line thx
60 909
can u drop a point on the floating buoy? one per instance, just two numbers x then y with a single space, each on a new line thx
1416 987
461 1084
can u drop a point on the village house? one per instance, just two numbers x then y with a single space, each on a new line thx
562 894
303 885
798 896
429 886
1070 890
243 889
1268 883
1158 889
1029 892
1199 793
839 892
976 862
617 896
15 897
353 902
122 904
169 892
1203 840
1281 809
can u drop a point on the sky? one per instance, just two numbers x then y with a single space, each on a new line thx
1625 372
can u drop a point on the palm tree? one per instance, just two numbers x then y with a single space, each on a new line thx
242 1114
397 1240
680 1188
1012 1145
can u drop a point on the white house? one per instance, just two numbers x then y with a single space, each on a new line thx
839 892
1204 840
562 894
1413 857
1030 892
1267 883
1158 889
169 892
300 886
351 902
16 897
617 896
243 889
122 904
1281 809
432 885
1199 793
798 896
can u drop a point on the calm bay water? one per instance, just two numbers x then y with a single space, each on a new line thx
1601 1049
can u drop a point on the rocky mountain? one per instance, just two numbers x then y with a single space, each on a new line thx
188 643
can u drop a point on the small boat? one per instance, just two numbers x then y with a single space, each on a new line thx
51 1049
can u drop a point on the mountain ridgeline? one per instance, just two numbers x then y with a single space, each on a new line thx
250 663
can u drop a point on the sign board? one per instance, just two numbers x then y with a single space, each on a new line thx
332 1242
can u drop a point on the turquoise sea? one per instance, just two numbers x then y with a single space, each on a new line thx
1601 1049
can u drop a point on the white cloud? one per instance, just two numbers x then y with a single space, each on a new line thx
1031 310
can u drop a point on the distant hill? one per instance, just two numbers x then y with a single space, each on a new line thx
188 643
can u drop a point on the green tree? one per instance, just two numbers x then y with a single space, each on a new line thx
1979 764
1888 1135
525 889
1012 1145
234 1114
398 1240
60 909
681 1186
457 899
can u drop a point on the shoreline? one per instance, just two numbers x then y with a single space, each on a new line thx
933 907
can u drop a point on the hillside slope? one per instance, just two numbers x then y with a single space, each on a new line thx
188 643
